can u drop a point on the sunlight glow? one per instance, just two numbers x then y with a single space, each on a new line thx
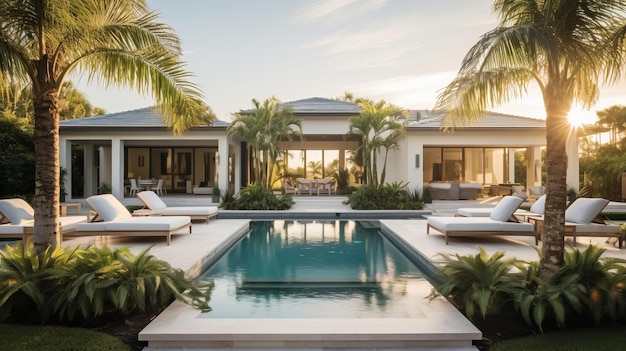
578 117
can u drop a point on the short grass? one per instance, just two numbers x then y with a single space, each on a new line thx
602 338
54 338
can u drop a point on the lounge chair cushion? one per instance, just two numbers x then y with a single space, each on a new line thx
505 208
158 207
108 207
476 224
441 185
139 224
584 210
17 211
11 229
152 200
539 206
594 228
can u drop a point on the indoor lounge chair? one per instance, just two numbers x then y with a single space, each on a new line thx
582 218
113 219
153 205
499 222
18 220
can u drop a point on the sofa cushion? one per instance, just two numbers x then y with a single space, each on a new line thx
108 207
584 210
505 208
441 185
151 200
539 206
17 211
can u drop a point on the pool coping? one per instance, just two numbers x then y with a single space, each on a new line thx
179 327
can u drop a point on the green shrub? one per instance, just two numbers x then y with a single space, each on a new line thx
256 197
479 283
343 181
392 196
586 289
64 284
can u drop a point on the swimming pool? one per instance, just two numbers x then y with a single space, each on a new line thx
315 269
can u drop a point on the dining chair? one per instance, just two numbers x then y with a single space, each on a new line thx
134 188
160 187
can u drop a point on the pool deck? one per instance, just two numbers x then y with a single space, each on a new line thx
443 327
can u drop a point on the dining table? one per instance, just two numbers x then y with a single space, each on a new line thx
148 184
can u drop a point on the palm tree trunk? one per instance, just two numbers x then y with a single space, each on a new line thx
46 139
557 129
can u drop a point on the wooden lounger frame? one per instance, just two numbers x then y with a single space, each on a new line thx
483 233
132 233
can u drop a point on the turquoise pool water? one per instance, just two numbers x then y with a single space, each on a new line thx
315 269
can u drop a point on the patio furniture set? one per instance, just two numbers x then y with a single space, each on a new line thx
110 218
582 218
310 186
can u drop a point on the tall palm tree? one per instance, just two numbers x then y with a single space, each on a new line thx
561 47
120 42
379 128
263 128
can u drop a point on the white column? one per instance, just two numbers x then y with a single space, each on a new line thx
105 167
116 174
573 178
222 168
533 166
511 165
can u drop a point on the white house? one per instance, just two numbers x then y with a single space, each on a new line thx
136 144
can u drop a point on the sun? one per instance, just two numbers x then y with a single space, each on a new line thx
579 117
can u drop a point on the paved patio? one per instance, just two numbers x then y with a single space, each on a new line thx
443 329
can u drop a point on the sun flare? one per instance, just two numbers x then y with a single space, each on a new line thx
578 118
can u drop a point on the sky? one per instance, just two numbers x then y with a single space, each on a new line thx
402 51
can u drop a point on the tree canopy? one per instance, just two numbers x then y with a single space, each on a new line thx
563 47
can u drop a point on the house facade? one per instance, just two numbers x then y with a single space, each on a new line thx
102 153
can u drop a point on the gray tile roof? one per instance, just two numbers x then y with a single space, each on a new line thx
319 106
140 118
432 120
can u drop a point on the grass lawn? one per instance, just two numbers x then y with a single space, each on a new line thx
53 338
601 338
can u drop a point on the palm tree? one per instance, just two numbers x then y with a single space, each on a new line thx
118 41
379 128
315 168
559 45
263 128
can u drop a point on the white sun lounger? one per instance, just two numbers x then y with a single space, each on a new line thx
153 205
535 210
582 218
20 216
113 219
498 223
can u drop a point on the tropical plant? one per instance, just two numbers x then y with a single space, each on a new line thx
314 169
343 180
63 284
120 42
561 46
256 197
478 284
392 196
378 126
17 164
262 129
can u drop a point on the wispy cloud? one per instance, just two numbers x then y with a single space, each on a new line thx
330 11
414 91
380 44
